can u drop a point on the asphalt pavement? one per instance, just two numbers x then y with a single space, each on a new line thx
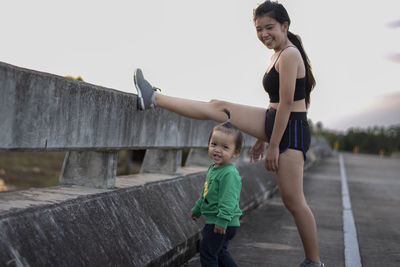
268 236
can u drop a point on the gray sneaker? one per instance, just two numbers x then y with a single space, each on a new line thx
146 92
308 263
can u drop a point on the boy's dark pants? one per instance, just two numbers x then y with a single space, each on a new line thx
213 247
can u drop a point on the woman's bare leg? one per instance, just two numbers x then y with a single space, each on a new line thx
290 183
250 120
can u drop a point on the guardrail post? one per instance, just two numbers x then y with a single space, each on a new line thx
198 157
91 169
162 161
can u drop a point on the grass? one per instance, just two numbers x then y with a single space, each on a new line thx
23 170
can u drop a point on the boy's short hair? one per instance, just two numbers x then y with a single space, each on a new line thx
228 128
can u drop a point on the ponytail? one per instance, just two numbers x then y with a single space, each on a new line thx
310 80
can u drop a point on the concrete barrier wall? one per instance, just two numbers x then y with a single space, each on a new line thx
42 112
45 112
143 225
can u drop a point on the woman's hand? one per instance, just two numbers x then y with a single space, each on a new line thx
219 230
271 161
257 150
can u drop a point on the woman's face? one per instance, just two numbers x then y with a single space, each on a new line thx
271 33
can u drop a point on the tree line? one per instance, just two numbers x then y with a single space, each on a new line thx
372 140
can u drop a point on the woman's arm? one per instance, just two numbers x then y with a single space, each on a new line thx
287 68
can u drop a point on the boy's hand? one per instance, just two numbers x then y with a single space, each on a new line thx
219 230
193 217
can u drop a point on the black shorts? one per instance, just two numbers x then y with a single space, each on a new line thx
297 134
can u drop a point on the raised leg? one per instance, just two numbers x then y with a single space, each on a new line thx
249 119
290 183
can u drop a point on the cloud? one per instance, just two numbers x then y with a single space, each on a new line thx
394 57
394 24
385 112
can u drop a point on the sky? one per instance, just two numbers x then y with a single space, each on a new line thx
209 50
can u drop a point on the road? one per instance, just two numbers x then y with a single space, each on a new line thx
268 236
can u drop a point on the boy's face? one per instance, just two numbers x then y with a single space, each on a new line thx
221 148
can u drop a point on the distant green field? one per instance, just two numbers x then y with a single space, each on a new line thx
23 170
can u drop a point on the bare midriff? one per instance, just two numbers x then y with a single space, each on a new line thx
297 106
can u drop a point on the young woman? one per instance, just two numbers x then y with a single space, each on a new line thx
288 82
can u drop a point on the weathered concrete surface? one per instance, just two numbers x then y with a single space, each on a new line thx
162 161
129 227
41 111
198 157
132 225
89 168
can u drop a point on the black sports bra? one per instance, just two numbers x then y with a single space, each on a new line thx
271 84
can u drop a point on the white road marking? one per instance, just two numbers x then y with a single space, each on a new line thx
351 250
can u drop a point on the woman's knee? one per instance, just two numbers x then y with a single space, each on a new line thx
215 110
217 104
294 204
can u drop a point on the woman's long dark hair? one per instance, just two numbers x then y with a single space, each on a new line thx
278 12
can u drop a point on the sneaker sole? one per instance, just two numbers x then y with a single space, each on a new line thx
140 98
